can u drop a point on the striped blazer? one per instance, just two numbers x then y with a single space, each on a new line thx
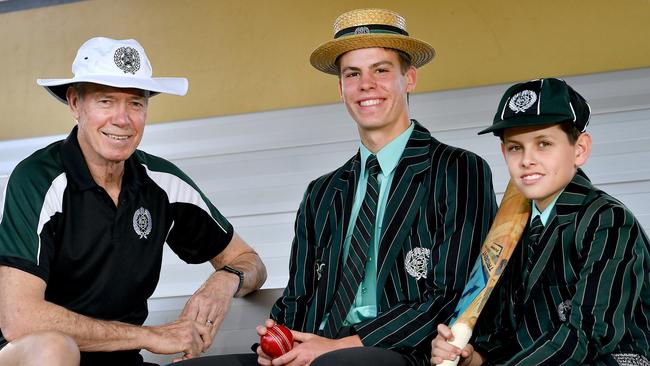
588 294
439 209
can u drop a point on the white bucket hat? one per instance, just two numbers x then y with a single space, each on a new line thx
118 63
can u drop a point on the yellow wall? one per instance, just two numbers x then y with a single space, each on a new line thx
252 55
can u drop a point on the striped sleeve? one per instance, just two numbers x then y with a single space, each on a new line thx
610 282
199 231
292 307
33 197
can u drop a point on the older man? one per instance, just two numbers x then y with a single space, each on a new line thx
84 221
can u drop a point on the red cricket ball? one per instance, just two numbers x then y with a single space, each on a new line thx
277 341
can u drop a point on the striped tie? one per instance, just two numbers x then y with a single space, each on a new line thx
359 245
534 233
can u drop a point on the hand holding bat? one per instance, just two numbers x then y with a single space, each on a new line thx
497 248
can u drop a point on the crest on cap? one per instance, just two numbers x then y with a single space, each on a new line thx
523 100
540 102
127 59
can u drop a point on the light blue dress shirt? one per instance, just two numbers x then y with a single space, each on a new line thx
365 302
543 216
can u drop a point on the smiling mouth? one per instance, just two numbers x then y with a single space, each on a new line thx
370 102
116 137
531 177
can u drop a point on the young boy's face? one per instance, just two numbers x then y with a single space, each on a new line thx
542 161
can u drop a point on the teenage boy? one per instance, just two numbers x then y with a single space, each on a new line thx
577 289
384 242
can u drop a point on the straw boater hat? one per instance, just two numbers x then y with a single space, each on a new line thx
365 28
118 63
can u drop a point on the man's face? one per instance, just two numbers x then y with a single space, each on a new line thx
374 89
111 122
542 161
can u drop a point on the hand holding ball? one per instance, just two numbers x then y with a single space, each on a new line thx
277 341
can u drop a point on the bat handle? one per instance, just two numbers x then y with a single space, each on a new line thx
462 333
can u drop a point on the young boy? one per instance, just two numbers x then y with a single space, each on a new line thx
577 288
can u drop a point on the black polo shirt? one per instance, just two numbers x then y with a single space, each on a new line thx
97 259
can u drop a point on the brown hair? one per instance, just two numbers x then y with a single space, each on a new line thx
569 128
404 60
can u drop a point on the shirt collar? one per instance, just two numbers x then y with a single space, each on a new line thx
77 171
543 216
390 154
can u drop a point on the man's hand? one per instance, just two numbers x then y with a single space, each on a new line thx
210 303
184 336
442 350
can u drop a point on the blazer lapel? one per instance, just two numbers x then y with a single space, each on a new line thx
566 209
404 197
338 216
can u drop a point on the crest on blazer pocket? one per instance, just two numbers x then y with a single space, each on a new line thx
416 262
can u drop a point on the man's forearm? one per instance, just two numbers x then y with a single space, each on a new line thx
89 334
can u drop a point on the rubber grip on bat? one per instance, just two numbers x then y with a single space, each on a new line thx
462 333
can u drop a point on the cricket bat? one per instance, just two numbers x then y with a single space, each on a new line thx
501 240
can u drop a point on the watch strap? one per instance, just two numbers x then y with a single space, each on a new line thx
237 272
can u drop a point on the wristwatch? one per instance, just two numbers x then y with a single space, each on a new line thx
237 272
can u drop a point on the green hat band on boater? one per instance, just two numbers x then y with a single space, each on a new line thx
540 102
370 29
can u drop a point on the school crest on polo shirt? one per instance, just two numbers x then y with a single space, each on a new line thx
142 222
523 100
416 262
127 59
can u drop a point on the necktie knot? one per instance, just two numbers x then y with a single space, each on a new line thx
372 166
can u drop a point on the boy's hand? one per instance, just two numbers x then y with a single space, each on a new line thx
262 358
442 350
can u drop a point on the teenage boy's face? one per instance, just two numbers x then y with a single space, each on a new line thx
542 161
374 90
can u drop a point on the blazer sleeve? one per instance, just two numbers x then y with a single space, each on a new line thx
292 307
464 204
607 291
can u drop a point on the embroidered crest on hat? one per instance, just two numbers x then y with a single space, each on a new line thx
523 100
416 262
564 309
142 222
362 30
127 59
